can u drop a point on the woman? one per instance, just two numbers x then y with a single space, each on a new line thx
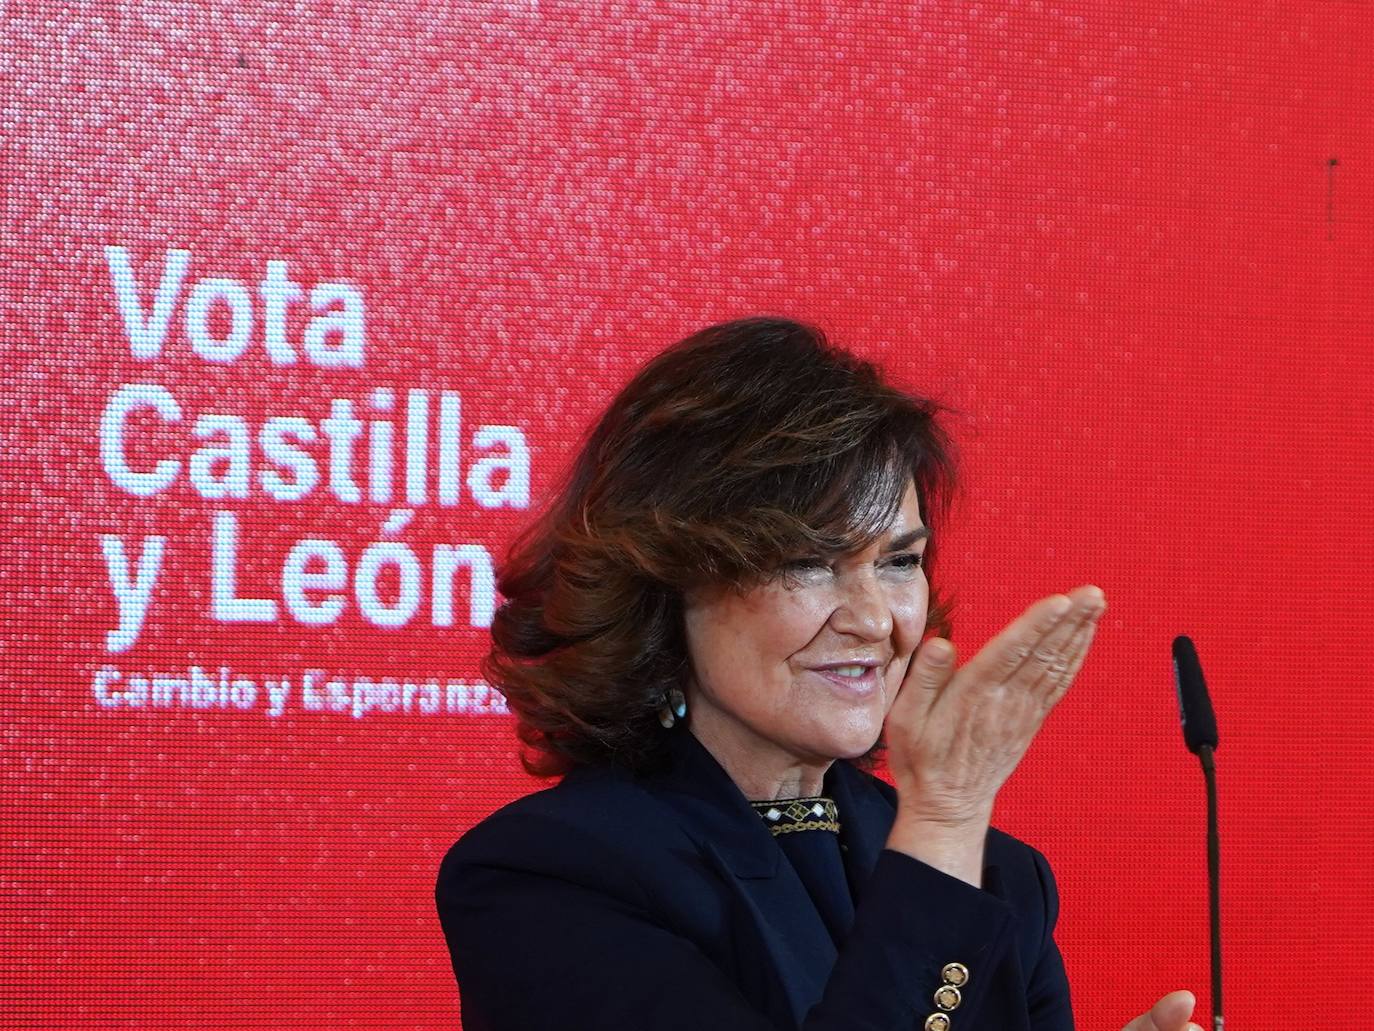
708 633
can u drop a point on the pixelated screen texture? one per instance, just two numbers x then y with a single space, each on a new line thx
307 306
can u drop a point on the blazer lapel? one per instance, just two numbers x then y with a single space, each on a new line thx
787 979
866 816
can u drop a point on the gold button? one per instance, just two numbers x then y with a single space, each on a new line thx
955 974
947 997
937 1022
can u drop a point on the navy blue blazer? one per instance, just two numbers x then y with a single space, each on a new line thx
612 901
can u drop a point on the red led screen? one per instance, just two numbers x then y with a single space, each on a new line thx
307 305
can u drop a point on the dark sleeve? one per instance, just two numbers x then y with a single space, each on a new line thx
582 947
1047 996
912 921
537 953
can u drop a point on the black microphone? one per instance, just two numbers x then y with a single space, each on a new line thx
1200 735
1199 722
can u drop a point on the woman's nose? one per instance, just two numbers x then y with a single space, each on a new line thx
863 610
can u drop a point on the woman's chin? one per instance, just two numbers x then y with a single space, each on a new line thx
854 742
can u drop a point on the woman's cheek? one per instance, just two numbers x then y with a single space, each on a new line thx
803 615
896 674
909 617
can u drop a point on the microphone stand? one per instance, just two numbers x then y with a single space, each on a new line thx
1209 773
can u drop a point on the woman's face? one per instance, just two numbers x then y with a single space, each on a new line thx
803 669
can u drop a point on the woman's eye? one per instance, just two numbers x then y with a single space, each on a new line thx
910 560
810 562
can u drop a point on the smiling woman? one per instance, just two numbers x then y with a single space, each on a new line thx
708 633
802 669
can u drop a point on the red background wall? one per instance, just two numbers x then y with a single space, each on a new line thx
1132 244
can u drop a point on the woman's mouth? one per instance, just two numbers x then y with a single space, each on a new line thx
853 680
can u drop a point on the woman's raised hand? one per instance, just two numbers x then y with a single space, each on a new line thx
955 735
1170 1013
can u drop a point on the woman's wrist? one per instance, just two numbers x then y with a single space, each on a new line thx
954 847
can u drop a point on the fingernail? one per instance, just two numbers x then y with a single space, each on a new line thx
938 652
1060 605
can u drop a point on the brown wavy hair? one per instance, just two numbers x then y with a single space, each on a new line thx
730 453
